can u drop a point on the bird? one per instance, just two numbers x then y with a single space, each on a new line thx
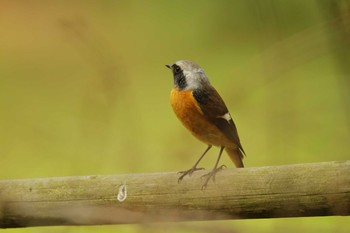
203 112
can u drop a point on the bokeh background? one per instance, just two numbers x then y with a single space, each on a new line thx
84 90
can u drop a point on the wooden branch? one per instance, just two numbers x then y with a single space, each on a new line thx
318 189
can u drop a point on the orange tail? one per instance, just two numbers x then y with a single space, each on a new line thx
236 156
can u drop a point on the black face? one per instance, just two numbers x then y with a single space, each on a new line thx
179 77
176 69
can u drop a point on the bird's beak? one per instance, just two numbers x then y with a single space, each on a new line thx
169 66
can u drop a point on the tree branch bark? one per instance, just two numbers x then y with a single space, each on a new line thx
317 189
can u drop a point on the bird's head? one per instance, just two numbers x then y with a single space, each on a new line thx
188 75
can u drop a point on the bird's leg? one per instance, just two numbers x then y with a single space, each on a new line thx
194 168
214 171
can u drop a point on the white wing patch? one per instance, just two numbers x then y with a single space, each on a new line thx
227 117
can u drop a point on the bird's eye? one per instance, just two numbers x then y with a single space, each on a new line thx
177 69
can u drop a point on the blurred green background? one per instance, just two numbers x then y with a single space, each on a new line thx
84 90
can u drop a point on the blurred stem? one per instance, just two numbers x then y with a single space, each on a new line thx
338 13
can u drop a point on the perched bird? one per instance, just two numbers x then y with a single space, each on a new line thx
202 111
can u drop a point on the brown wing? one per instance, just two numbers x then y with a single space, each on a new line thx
214 108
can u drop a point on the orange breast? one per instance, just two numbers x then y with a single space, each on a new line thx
189 113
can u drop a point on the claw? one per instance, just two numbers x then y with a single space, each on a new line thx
194 168
212 175
188 172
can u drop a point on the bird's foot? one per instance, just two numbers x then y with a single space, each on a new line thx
188 172
212 175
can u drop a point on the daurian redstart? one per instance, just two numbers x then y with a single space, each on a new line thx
202 111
